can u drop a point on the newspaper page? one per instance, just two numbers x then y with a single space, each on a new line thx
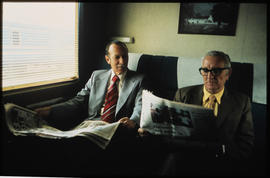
22 121
175 119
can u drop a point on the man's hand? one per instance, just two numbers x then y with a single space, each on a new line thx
43 112
125 121
143 133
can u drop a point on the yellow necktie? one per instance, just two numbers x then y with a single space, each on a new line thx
212 102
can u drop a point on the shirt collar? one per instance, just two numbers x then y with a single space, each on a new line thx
217 95
120 76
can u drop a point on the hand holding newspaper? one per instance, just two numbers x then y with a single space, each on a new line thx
22 121
175 119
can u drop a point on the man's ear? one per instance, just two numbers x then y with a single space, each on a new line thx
229 73
107 59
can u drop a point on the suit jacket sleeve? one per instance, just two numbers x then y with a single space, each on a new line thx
138 103
178 96
74 110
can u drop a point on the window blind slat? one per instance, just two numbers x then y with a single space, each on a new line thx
39 43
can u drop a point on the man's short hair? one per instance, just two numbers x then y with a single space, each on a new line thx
119 43
224 56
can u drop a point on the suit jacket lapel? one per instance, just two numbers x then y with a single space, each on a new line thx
197 96
226 107
125 92
101 87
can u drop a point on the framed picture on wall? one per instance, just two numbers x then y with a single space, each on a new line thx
208 18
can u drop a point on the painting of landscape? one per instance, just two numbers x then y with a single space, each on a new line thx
208 18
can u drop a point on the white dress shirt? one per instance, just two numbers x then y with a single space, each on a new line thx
119 85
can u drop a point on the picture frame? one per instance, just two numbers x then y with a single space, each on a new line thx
208 18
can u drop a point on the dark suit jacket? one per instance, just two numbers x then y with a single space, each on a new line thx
234 120
90 99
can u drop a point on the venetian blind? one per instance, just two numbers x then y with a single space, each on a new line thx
39 43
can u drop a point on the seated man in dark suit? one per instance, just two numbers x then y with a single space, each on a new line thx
232 109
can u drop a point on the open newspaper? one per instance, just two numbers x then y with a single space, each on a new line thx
22 121
175 119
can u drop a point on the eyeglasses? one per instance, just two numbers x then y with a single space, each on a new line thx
214 71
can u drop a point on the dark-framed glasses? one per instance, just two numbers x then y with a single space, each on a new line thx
215 71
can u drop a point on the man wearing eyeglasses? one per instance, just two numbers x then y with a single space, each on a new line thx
233 120
232 109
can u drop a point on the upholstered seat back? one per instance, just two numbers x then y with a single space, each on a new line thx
168 73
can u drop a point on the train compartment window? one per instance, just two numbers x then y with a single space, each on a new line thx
39 43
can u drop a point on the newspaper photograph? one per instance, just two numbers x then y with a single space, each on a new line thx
175 119
22 121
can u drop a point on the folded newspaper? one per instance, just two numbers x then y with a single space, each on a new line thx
175 119
22 121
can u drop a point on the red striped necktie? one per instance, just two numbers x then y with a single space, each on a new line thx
110 102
